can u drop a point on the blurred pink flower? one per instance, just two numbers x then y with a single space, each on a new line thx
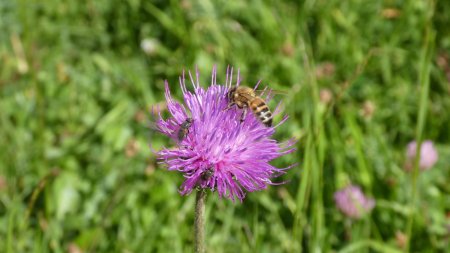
428 155
352 202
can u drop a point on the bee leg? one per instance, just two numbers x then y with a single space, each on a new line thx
229 106
244 113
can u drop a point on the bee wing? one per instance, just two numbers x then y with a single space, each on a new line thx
273 92
168 127
152 126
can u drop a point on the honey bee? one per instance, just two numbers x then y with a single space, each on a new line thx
184 129
244 98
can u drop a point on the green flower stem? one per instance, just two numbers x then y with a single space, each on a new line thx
424 79
199 221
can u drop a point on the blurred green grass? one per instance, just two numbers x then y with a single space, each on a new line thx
76 91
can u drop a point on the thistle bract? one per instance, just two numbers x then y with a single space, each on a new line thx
218 151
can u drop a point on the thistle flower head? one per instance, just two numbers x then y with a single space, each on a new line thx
352 202
428 155
215 149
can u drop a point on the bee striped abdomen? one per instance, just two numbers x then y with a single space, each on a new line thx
245 98
261 111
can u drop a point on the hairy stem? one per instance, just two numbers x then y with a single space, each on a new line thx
199 221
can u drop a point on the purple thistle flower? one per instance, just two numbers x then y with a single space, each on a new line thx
352 202
428 155
217 151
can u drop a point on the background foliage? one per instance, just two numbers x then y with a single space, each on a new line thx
76 88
